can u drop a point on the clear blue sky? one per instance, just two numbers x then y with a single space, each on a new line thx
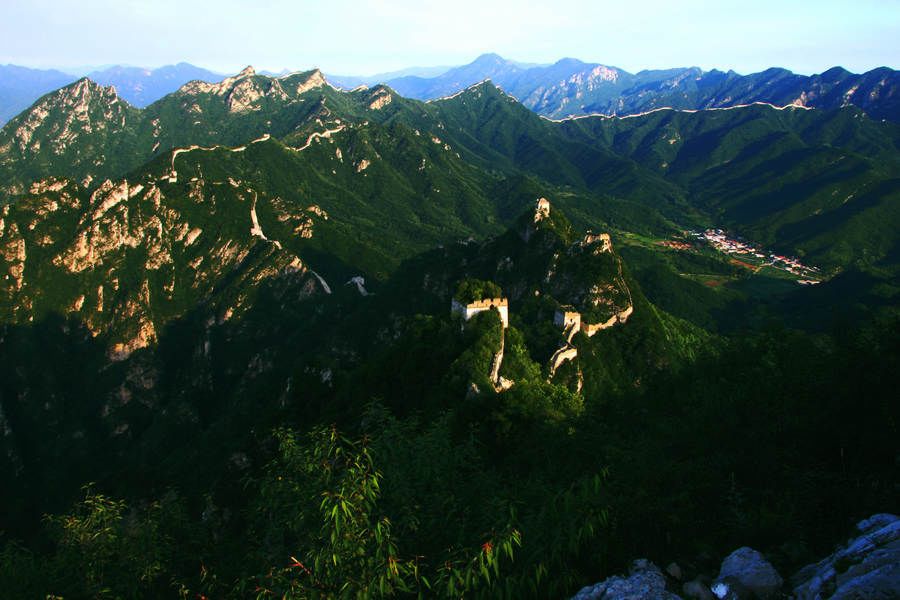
369 36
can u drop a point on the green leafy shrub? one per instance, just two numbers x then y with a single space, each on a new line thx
321 495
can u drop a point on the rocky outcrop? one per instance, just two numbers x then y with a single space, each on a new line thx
644 582
745 573
612 294
599 243
868 566
116 221
87 107
73 131
585 275
541 213
131 255
314 80
13 254
316 210
219 89
244 95
247 91
541 210
379 98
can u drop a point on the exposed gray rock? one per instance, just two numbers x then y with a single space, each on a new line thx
747 568
867 566
875 522
882 583
730 588
644 582
675 571
697 590
886 555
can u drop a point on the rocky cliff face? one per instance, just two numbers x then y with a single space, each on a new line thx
127 257
247 92
101 286
585 274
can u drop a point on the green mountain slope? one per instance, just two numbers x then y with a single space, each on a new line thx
191 331
400 176
181 281
765 172
797 180
572 87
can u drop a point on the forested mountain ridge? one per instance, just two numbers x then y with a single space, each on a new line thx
689 167
200 296
571 87
565 88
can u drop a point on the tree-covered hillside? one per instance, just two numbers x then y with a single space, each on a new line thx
229 365
571 87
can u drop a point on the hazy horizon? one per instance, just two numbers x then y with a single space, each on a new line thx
376 36
84 70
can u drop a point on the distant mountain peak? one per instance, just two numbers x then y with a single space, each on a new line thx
83 91
59 121
485 88
485 84
221 88
79 86
315 73
490 57
836 72
380 96
316 79
569 61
